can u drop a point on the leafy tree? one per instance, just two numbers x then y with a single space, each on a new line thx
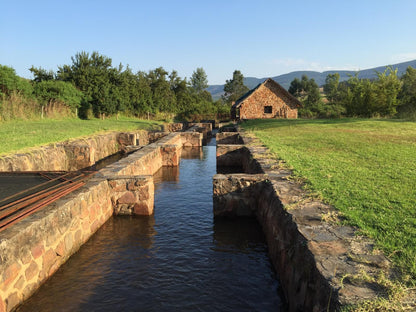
234 88
91 74
58 91
41 74
331 87
313 96
199 80
163 96
11 83
387 88
307 91
407 95
362 97
366 98
142 99
296 88
206 95
184 99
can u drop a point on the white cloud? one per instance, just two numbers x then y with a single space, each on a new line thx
293 64
403 57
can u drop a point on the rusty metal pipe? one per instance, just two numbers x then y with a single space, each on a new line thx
19 209
32 188
13 218
21 203
35 195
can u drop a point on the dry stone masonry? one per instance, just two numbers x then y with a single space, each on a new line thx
73 155
267 100
33 249
322 265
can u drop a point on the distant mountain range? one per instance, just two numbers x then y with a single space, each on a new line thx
285 79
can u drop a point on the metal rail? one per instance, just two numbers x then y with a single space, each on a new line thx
22 204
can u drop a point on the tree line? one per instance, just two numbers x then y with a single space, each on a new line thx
386 96
93 87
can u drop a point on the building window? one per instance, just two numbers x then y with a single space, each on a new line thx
268 109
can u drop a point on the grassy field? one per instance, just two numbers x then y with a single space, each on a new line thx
365 168
20 135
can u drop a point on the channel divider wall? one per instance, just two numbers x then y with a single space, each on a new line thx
322 264
33 249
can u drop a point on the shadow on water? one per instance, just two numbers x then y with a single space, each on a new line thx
179 259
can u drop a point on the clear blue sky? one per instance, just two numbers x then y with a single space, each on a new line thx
260 38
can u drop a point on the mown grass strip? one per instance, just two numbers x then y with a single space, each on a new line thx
20 135
365 168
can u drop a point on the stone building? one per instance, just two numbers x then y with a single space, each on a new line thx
267 100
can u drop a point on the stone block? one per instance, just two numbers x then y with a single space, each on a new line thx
170 155
127 198
69 241
12 300
60 249
20 283
10 274
142 209
2 305
235 195
191 139
31 271
137 200
229 138
38 250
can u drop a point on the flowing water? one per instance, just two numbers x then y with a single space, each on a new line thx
179 259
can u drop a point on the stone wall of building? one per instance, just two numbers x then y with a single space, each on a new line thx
254 106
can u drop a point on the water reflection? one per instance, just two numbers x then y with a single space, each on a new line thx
167 174
177 260
192 153
242 235
88 279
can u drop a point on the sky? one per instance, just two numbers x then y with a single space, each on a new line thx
261 38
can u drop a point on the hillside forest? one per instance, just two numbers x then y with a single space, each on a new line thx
90 86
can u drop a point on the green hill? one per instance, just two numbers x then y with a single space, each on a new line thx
285 79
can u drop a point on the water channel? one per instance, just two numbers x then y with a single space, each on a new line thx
179 259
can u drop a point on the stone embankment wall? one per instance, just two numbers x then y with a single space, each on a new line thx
74 155
33 249
322 265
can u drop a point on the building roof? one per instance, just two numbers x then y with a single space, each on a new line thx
278 86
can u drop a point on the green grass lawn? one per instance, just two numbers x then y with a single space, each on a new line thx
20 135
365 168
